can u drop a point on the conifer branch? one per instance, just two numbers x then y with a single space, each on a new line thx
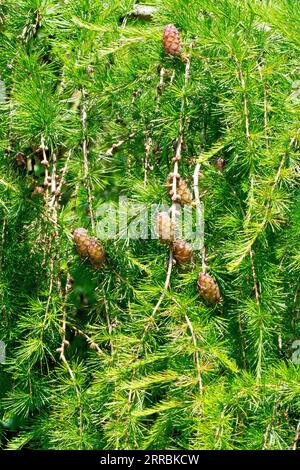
166 287
197 355
276 180
65 343
266 118
270 426
86 160
91 342
245 99
176 161
220 428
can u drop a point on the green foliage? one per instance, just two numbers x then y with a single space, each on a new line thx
88 365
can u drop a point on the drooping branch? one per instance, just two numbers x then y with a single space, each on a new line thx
176 161
86 161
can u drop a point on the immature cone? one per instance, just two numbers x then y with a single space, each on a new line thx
171 40
182 252
183 193
219 163
81 240
208 288
96 252
89 247
164 227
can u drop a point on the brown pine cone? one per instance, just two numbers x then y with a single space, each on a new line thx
96 252
183 193
182 252
171 40
219 163
208 288
81 240
164 227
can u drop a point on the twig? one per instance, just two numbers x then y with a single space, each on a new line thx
61 182
176 160
276 180
109 326
148 145
160 87
251 255
45 163
112 150
166 286
2 242
49 296
266 124
270 425
297 437
245 99
197 356
85 160
65 344
91 342
248 136
219 428
198 211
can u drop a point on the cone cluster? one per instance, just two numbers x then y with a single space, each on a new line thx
183 193
208 288
171 40
89 247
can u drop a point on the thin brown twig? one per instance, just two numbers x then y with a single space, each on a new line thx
64 344
2 242
176 161
198 210
148 145
45 163
160 87
166 287
57 191
109 326
248 136
91 342
251 254
112 150
297 437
